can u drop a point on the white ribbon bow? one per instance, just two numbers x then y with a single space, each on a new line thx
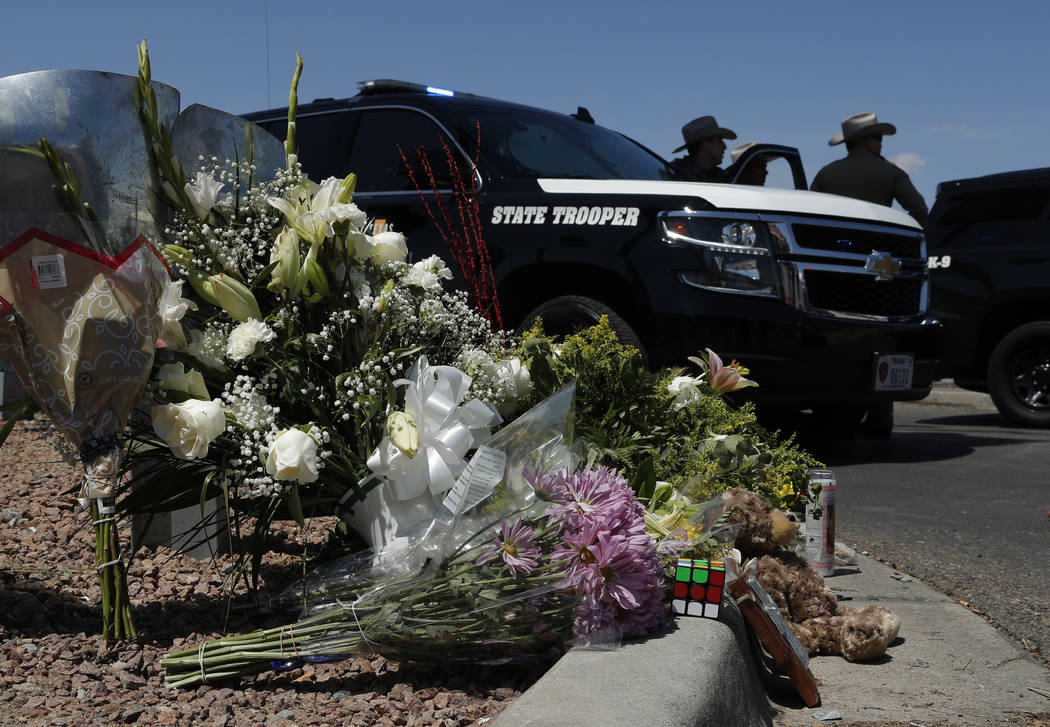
448 429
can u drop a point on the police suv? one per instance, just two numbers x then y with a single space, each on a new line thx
990 275
823 297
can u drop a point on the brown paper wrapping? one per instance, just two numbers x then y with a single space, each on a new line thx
79 327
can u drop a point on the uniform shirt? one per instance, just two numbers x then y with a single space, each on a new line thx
689 171
863 175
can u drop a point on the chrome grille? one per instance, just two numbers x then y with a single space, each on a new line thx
858 241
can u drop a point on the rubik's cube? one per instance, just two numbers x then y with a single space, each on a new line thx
698 587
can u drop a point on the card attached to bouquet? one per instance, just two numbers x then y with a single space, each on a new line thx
483 472
698 587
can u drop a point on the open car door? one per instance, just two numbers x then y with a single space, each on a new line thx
782 163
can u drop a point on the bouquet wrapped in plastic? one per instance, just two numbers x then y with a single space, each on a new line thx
526 554
80 284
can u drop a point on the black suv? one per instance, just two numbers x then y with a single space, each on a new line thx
989 246
823 297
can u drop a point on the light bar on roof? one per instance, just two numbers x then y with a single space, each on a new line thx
435 91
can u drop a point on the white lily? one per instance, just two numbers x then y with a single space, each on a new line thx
203 192
172 308
311 209
313 226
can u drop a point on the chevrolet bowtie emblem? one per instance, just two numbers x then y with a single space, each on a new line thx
882 264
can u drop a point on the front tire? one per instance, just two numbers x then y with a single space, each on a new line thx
567 314
1019 375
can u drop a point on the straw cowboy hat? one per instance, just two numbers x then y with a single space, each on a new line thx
739 150
866 124
702 128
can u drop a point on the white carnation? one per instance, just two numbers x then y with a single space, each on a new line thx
245 337
685 389
428 274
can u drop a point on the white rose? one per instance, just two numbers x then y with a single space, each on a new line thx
292 456
384 247
389 247
244 338
685 389
173 377
476 361
514 378
188 428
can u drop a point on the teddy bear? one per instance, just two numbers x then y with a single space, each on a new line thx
812 612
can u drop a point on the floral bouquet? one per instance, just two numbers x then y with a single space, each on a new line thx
80 284
527 559
308 359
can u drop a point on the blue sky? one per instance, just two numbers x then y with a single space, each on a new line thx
965 83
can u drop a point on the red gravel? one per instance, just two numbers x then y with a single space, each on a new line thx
55 669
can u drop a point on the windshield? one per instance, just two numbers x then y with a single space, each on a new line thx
533 144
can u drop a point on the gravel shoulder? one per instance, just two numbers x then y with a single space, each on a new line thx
55 668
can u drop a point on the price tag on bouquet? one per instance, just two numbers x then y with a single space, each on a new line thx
483 472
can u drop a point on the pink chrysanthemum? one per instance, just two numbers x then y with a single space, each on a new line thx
598 494
618 574
608 559
515 545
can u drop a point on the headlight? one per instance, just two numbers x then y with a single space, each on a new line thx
732 255
739 233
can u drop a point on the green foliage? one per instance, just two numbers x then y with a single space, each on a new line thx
632 421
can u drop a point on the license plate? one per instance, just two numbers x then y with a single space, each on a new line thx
893 371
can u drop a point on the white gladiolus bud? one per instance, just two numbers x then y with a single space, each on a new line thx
233 296
289 260
197 388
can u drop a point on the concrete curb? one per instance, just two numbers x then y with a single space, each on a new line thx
949 666
697 673
946 393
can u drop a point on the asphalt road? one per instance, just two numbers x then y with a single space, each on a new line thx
959 500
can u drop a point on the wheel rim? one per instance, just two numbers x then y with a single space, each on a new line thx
1030 378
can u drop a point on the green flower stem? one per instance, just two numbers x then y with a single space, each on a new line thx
116 610
418 613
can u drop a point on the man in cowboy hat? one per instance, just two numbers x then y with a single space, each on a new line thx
757 169
705 140
864 173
